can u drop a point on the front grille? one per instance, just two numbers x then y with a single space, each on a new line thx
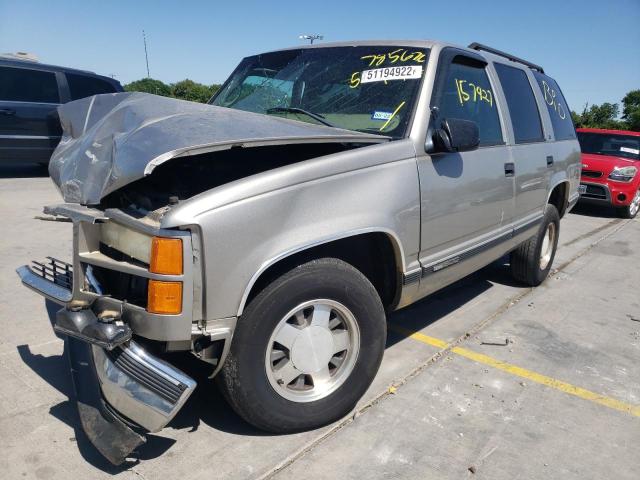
595 191
139 372
591 173
54 270
119 285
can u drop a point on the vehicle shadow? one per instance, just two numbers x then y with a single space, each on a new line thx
593 210
207 405
23 170
54 370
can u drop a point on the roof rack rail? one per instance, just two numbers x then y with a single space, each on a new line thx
479 46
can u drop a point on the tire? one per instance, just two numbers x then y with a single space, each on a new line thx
528 265
253 382
631 210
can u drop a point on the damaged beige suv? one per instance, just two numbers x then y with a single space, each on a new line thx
271 231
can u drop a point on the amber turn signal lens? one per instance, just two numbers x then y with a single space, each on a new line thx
164 297
166 256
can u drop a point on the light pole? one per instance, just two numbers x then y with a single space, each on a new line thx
311 38
146 56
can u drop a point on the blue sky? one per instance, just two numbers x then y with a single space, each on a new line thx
589 46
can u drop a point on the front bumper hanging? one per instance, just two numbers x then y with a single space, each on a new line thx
120 388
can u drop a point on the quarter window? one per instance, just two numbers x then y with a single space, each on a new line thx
467 94
559 112
26 85
81 86
523 108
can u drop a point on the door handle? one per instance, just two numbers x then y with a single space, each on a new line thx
549 160
509 169
7 111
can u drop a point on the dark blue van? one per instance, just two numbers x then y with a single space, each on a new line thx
30 92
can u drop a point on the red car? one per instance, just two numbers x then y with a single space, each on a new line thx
610 164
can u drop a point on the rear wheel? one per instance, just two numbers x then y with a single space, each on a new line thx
631 210
531 261
306 348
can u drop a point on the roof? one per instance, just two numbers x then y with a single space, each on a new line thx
15 62
608 132
488 55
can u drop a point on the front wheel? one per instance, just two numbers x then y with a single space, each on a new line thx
306 349
631 210
531 261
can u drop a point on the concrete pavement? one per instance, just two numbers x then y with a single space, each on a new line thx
449 417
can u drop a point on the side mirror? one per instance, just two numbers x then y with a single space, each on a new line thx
456 135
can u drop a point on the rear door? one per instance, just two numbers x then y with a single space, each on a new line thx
29 125
531 154
466 198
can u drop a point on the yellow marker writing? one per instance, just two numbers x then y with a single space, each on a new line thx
392 115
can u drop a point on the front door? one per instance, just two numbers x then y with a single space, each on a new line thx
467 199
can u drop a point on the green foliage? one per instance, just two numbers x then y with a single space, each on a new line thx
631 109
149 85
193 91
600 116
577 119
184 90
607 114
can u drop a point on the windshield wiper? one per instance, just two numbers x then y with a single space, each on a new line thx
315 116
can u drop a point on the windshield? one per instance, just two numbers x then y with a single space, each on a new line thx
368 89
626 146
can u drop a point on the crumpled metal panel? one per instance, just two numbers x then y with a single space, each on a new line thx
112 140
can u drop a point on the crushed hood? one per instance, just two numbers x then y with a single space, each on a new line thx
112 140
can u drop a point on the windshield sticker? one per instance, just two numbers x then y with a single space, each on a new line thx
635 151
399 55
377 115
410 72
550 98
468 91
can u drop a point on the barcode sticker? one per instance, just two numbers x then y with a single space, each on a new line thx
635 151
408 72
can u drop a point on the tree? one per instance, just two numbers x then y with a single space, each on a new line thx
577 119
631 110
599 116
193 91
149 85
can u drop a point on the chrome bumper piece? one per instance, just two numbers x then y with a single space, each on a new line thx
140 386
44 287
118 385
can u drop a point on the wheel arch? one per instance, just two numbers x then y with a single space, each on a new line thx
352 247
559 196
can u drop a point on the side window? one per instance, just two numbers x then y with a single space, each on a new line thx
26 85
559 112
523 108
81 86
466 94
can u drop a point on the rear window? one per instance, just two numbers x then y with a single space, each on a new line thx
81 86
26 85
559 112
523 108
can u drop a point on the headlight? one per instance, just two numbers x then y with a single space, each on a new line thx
623 174
127 241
